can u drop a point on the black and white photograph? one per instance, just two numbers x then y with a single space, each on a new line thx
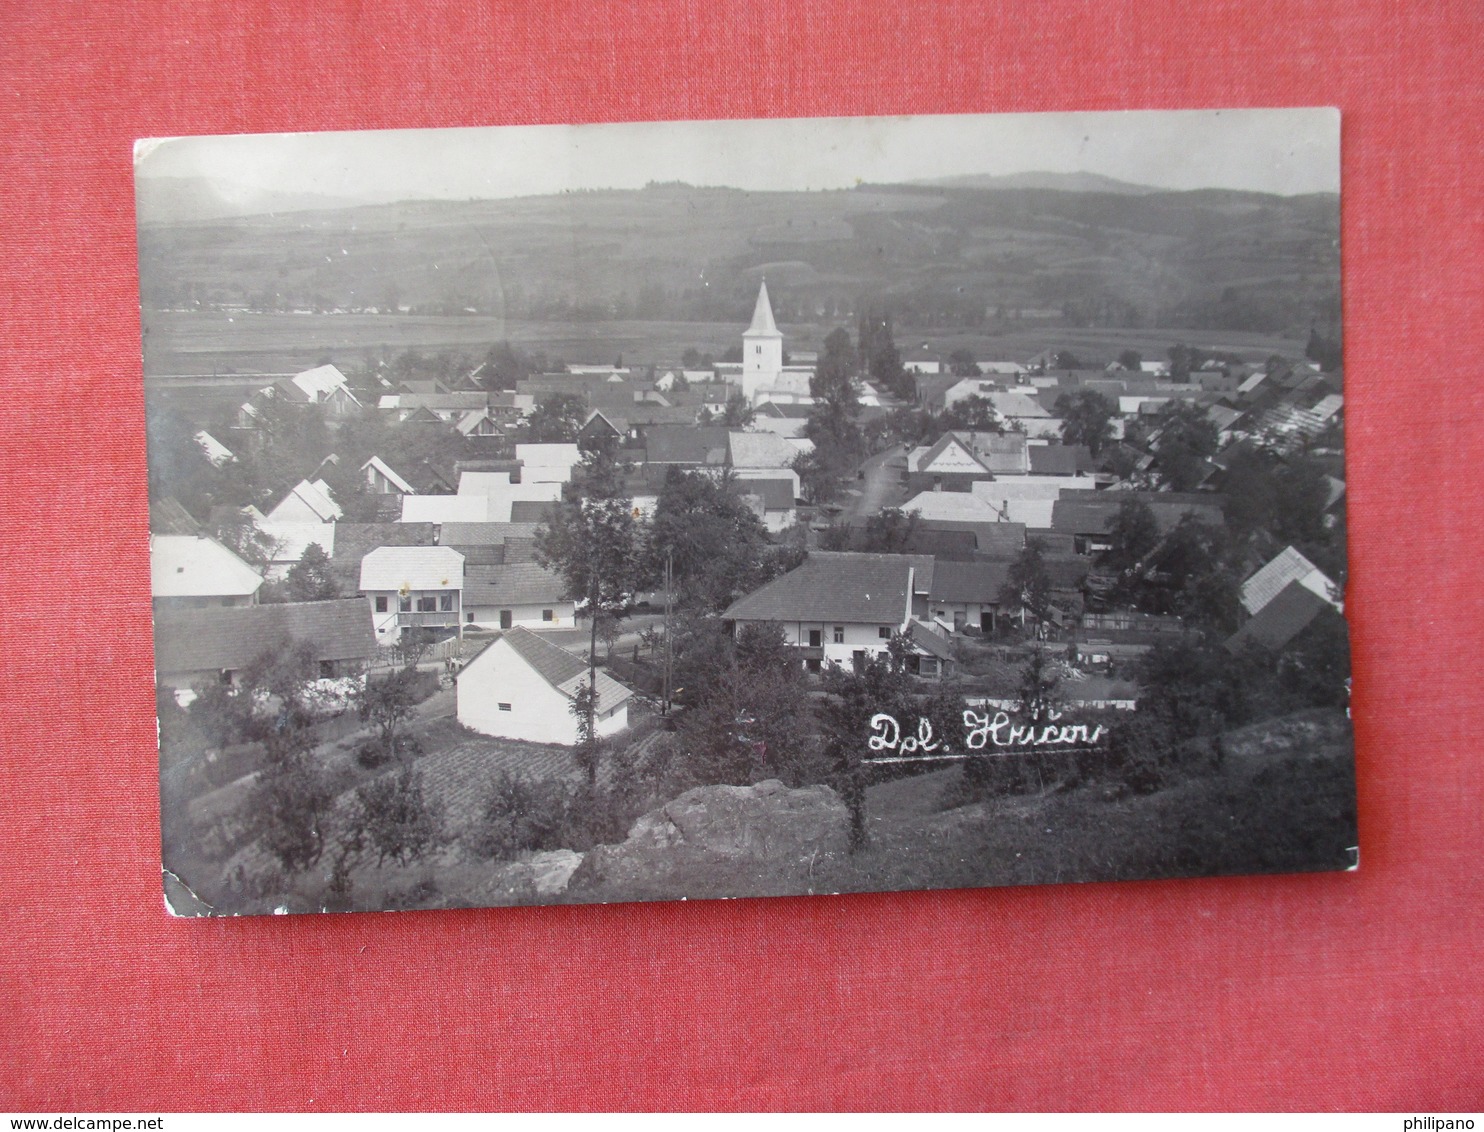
693 510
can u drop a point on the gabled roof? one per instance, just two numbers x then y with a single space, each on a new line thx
759 450
685 444
837 586
473 419
1086 512
1273 578
196 566
954 506
1059 459
969 581
484 534
445 508
559 668
313 496
206 640
776 494
1283 618
762 315
386 470
215 451
168 517
523 583
922 459
412 568
319 382
532 511
924 640
353 541
291 538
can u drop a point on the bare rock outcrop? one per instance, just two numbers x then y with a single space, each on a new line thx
717 841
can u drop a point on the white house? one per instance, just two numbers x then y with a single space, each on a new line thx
519 594
194 572
949 465
1028 499
840 607
307 502
413 587
288 541
547 463
523 687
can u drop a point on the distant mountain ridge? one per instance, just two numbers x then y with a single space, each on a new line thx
1041 179
184 200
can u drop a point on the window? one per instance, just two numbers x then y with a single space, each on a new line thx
428 604
327 670
445 602
468 619
884 632
405 604
504 707
839 634
227 677
381 604
814 636
546 615
505 619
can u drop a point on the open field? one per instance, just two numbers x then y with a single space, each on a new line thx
215 345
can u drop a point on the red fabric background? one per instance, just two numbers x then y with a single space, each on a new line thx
1297 992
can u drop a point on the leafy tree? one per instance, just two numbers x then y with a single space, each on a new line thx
1027 588
584 708
1037 696
1134 532
590 541
971 412
1087 418
1187 438
557 419
311 578
1300 492
845 717
752 719
281 674
1326 352
395 815
833 380
890 530
1131 359
961 363
247 540
879 351
292 801
388 702
717 546
738 413
1065 359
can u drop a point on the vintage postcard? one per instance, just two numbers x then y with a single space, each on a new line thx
712 509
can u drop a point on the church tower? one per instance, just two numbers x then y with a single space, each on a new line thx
762 349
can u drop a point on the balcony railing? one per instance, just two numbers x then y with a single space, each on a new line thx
438 620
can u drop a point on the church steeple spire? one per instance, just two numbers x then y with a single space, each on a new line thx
762 315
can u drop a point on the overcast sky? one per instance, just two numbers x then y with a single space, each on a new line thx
1278 151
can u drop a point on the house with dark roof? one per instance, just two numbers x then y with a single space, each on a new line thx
693 446
840 607
1282 619
195 646
1059 459
966 595
516 594
772 500
523 686
1087 515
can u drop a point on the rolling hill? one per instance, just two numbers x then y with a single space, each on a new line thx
937 255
